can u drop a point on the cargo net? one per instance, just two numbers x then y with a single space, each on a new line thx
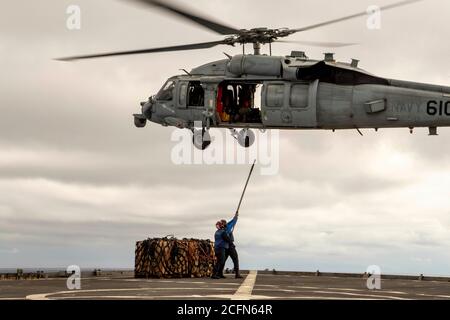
173 258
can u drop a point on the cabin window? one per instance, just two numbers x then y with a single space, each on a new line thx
196 94
182 95
166 93
299 96
275 95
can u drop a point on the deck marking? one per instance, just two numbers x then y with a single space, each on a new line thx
46 296
244 292
362 295
433 295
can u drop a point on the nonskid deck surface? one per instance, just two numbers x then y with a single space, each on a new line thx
253 286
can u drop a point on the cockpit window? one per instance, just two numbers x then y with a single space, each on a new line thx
166 93
196 94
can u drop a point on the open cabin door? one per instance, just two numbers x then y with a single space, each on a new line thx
237 104
289 104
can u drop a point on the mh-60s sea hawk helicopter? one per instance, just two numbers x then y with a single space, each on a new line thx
296 92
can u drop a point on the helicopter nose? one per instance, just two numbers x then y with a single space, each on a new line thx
147 109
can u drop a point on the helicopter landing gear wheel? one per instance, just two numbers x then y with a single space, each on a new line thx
201 139
246 138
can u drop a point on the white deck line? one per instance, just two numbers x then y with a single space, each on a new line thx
244 292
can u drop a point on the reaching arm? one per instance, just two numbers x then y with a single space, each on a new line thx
232 223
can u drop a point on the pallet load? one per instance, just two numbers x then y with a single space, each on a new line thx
173 258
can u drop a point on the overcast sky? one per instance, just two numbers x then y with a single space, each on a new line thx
79 184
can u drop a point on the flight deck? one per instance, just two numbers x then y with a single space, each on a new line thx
255 285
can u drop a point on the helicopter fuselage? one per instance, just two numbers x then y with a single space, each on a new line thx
295 93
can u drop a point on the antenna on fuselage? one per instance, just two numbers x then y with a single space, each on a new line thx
188 73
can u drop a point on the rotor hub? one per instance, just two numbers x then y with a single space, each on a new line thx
258 35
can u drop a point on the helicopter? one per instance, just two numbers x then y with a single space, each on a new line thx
295 92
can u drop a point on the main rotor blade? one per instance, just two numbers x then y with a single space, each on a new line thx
356 15
203 21
193 46
320 43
